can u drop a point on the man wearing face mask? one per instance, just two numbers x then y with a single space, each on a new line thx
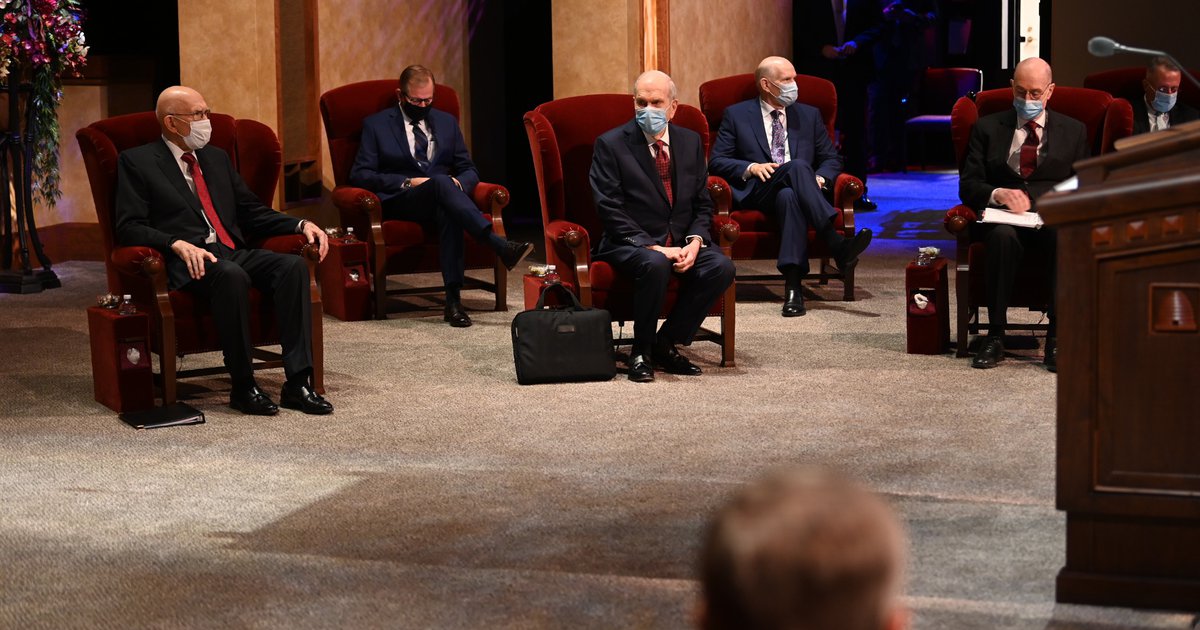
1014 157
186 200
414 158
1160 108
777 156
649 186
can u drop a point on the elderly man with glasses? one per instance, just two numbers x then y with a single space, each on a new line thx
415 159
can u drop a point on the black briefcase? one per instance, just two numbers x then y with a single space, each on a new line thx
563 345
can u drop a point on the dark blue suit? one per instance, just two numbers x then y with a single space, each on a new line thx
385 162
631 202
791 193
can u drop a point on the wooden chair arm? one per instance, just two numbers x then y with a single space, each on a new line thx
574 238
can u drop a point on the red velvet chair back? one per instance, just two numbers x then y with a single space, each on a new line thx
1107 119
1126 83
562 135
252 146
942 87
344 108
718 94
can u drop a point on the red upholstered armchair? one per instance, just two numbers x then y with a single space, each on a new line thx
1107 120
394 246
760 231
562 134
180 324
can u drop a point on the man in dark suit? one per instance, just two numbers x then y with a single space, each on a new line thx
777 156
649 185
415 159
834 41
185 199
1160 108
1013 158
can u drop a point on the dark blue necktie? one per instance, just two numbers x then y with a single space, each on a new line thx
422 148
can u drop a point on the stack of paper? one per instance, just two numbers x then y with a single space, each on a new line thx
1002 215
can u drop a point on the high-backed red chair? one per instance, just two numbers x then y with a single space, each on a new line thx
1107 120
1126 83
562 134
940 89
395 246
760 230
180 324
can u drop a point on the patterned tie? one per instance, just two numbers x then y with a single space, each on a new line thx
206 200
777 138
1029 150
422 142
663 162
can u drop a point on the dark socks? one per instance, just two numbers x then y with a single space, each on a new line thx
453 294
791 275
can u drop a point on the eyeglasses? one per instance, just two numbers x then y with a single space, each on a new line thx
200 114
1033 95
419 102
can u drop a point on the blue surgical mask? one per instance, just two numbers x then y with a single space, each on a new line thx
787 93
1028 110
651 119
1164 102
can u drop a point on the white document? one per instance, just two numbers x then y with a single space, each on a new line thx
1002 215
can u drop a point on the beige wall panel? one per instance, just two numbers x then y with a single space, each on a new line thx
360 40
227 52
1116 19
717 39
597 45
81 106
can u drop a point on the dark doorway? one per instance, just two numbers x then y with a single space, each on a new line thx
137 58
511 73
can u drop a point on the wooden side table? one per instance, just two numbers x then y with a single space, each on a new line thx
345 282
928 328
122 378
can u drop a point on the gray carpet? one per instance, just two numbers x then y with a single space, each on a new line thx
441 494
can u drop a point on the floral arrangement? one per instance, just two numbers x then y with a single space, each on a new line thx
41 41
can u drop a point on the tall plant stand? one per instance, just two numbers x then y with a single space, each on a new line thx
16 193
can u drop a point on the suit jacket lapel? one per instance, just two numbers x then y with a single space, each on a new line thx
170 169
760 130
641 154
793 130
401 133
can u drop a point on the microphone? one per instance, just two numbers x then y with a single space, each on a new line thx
1106 46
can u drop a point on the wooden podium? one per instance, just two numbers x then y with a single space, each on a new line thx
1129 374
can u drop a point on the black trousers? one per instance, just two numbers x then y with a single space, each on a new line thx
699 289
1006 247
441 202
226 286
793 196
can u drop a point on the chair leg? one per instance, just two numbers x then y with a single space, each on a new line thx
963 313
848 284
380 295
501 280
728 325
823 267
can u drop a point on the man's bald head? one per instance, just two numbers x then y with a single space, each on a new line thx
177 108
774 69
1033 81
656 80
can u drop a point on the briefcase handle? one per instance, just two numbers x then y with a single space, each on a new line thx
541 303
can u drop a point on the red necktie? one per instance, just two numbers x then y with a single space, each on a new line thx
206 200
1029 150
663 162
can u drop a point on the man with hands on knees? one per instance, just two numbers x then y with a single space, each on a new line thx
649 185
185 199
777 156
1013 157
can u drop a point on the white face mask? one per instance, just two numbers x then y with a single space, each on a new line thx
197 138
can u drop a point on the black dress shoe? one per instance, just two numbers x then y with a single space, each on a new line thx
864 203
455 314
305 399
669 359
846 253
1051 358
793 303
990 354
640 370
253 401
514 252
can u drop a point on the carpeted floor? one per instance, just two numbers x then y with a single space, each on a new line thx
443 495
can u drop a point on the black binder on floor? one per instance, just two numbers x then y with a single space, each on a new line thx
172 415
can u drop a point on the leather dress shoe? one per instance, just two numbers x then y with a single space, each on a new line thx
514 252
864 203
305 399
640 370
793 302
455 314
846 253
991 353
669 359
1051 358
253 401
